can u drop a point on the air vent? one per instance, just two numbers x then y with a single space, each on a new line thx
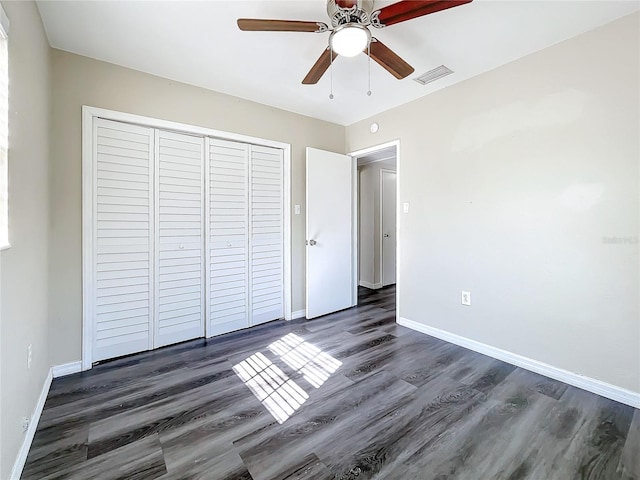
433 75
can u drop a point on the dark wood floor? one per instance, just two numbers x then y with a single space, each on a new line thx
348 396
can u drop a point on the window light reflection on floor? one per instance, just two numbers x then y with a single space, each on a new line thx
277 392
316 365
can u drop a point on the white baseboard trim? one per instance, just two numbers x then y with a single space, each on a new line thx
66 369
18 465
592 385
372 286
298 314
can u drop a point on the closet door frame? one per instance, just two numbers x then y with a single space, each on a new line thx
89 114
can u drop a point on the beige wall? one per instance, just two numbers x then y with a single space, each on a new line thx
81 81
24 265
517 179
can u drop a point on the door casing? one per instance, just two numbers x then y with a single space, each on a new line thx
354 158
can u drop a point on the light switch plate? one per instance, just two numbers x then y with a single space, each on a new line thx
405 207
466 298
297 209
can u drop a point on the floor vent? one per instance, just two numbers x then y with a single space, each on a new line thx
433 75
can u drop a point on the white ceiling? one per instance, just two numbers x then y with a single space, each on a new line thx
199 43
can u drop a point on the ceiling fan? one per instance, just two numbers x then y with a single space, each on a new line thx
350 34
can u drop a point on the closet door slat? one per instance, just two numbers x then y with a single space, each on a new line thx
180 242
123 232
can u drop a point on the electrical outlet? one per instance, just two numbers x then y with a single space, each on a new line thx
297 209
405 207
29 355
25 424
466 298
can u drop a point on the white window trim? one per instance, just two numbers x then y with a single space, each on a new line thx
88 116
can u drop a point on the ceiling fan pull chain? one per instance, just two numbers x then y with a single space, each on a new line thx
369 66
331 73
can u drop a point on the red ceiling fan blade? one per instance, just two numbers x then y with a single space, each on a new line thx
318 69
391 62
263 25
408 9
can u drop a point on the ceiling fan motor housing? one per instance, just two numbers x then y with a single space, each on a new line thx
359 12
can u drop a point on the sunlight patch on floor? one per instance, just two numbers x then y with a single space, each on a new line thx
307 359
281 395
277 392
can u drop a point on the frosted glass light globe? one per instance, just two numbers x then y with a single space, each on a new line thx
350 39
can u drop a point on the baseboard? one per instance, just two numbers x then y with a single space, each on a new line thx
66 369
298 314
592 385
372 286
16 472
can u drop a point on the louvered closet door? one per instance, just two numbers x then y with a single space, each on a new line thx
266 243
228 269
123 233
180 245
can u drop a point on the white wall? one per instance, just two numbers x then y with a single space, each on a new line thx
24 310
81 81
369 247
518 179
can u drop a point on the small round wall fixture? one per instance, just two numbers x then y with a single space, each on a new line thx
374 127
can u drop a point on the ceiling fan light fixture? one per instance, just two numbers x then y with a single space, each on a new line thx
350 39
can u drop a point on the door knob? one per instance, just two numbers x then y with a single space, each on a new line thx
311 242
386 235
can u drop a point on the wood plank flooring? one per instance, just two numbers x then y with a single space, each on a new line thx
348 396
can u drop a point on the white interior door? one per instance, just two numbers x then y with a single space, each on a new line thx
179 238
388 213
329 233
123 239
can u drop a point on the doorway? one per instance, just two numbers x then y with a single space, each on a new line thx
333 227
377 206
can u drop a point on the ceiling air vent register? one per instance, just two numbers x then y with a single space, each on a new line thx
433 75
